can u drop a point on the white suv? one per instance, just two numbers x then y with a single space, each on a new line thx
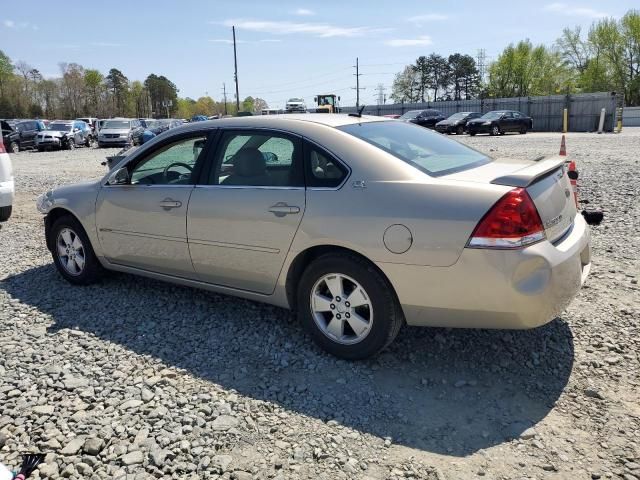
6 184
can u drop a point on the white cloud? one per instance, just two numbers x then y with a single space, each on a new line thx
428 17
20 25
574 11
106 44
270 40
322 30
304 12
409 42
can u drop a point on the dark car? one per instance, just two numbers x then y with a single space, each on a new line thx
456 123
424 118
20 134
499 122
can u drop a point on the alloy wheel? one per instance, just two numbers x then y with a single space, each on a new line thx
341 308
71 251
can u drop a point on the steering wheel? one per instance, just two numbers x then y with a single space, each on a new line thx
175 164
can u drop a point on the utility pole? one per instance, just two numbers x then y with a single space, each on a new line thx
235 64
357 89
224 94
482 58
382 98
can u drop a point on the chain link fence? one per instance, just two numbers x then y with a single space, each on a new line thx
547 112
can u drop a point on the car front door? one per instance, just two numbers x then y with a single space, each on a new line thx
141 221
242 219
507 122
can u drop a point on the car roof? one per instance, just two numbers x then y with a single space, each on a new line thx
288 120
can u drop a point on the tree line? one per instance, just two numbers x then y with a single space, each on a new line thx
85 92
606 58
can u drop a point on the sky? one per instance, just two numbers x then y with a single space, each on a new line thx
289 48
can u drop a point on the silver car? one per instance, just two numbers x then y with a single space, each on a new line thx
64 134
118 132
359 224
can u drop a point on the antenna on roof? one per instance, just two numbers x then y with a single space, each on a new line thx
359 114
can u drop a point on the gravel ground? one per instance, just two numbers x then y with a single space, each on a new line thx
135 378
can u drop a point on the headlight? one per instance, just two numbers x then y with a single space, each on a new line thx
44 202
124 135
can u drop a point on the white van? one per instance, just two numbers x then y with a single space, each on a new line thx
6 184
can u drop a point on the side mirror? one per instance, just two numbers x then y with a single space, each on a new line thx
119 177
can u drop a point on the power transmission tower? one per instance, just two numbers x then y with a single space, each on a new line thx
235 65
482 59
224 94
357 87
382 98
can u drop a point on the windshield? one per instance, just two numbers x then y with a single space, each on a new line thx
492 115
60 127
299 100
458 116
411 114
430 152
116 124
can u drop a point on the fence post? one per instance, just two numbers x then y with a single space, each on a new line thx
567 106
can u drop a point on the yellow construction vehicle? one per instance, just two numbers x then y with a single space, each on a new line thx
327 103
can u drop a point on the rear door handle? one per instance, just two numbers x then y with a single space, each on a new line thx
281 209
169 203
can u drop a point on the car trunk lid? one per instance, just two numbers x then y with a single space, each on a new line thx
545 180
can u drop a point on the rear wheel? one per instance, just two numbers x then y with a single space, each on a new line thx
5 213
495 130
473 134
347 306
14 147
71 144
459 130
72 252
523 129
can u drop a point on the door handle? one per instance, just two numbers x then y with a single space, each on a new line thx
281 209
169 203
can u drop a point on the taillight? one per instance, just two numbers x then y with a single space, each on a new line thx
2 149
513 222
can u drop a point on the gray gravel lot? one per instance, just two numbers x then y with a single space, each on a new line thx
134 378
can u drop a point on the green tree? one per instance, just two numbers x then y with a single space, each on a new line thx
248 104
94 85
406 86
118 85
161 90
6 72
464 76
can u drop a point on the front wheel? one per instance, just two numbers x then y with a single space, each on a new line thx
72 252
495 130
473 134
14 147
523 130
347 306
459 130
71 144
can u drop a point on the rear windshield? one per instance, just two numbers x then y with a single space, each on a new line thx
428 151
116 124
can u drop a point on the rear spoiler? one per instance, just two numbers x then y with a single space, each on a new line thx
527 175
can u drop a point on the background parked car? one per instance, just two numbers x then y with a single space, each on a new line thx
91 121
424 118
6 185
456 123
64 134
20 134
499 122
118 132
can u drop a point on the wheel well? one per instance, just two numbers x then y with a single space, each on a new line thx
304 258
50 219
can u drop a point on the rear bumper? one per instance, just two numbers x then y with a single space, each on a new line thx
496 288
6 193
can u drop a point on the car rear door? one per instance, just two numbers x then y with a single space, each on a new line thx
142 223
244 215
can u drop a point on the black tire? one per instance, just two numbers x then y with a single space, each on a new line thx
495 130
5 213
523 130
92 270
14 147
71 144
473 134
459 130
387 314
40 149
